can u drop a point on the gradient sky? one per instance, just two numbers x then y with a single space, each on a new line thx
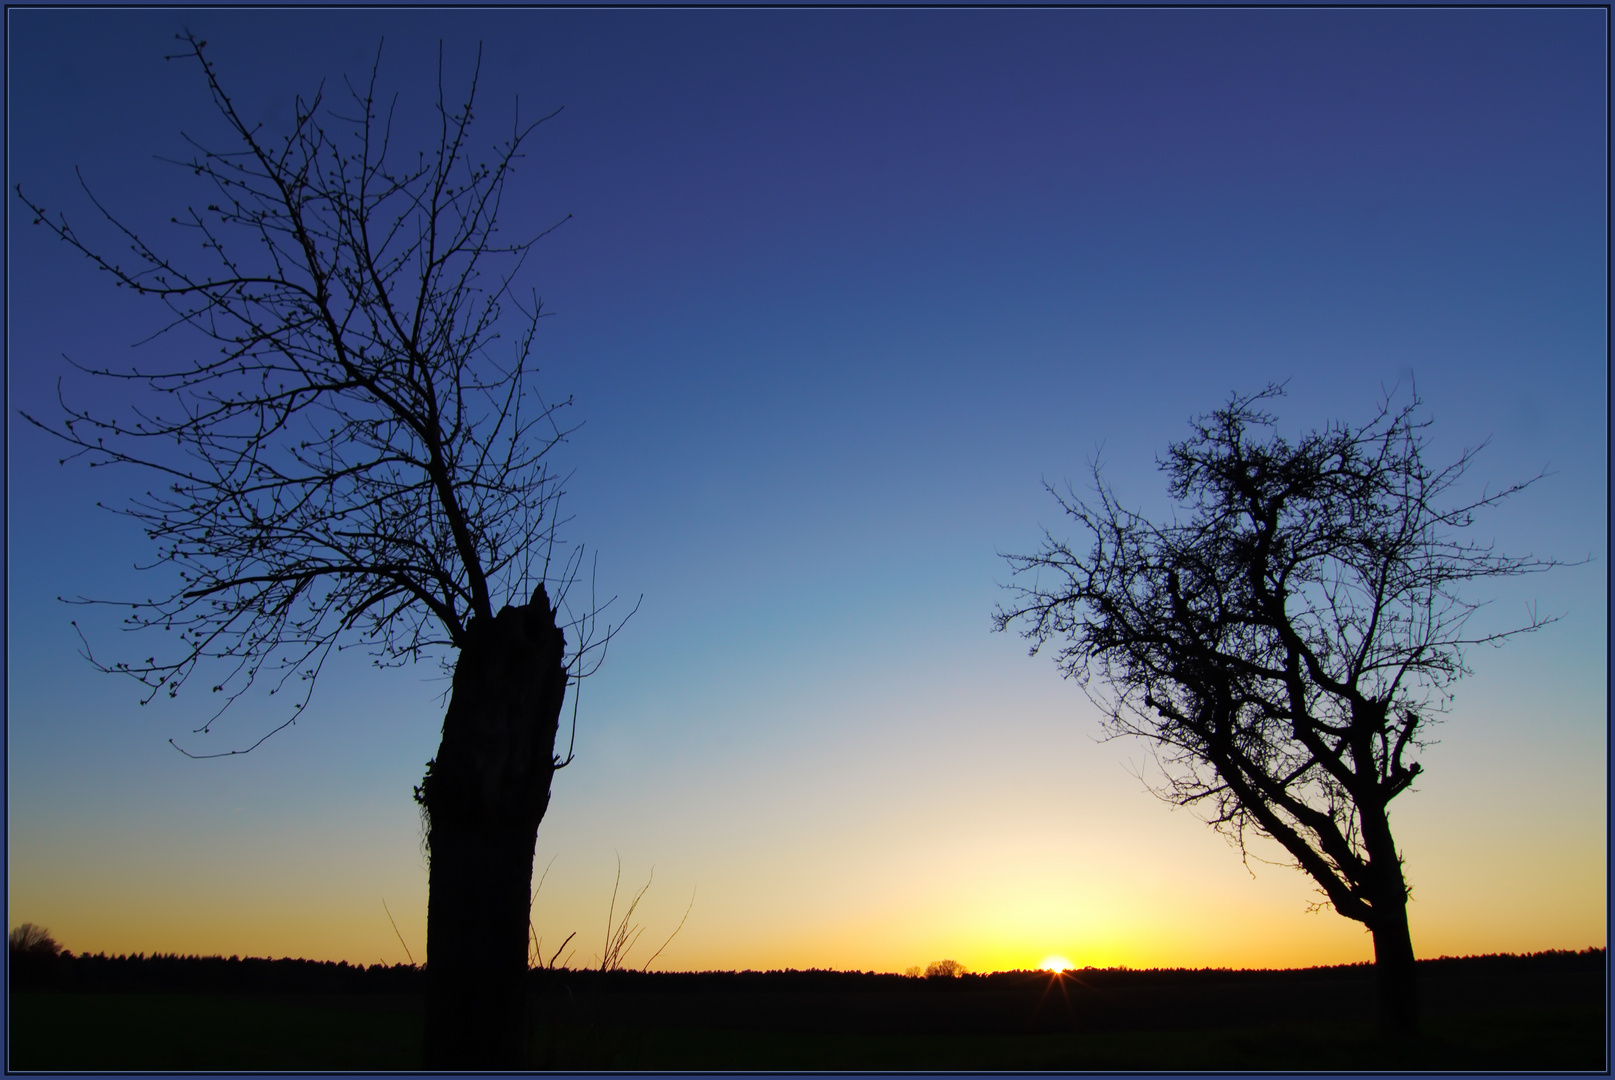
840 290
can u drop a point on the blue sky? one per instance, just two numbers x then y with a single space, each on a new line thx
839 291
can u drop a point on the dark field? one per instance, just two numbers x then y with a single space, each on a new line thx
1512 1013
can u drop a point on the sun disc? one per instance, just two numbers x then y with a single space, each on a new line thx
1055 963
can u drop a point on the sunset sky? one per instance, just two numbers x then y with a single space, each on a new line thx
840 291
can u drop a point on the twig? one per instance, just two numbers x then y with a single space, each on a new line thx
401 936
671 936
551 965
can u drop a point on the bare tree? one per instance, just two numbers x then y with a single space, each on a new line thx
29 938
357 457
1287 644
32 956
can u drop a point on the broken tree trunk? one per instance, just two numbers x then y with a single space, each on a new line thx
484 796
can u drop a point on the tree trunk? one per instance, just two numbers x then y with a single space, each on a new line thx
484 795
1395 975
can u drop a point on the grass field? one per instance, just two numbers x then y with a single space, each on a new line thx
1567 1040
165 1031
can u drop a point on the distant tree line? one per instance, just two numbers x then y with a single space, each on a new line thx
140 972
42 969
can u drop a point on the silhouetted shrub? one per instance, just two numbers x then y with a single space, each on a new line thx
33 957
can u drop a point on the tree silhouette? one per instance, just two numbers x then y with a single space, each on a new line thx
29 938
354 464
1286 643
32 955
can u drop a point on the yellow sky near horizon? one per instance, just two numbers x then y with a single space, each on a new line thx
1106 875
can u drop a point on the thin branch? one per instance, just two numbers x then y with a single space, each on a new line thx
351 465
396 931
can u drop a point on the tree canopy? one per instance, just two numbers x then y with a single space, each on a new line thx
364 456
1287 641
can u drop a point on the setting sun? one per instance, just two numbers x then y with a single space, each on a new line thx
1055 963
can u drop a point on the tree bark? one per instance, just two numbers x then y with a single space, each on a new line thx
1395 975
484 796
